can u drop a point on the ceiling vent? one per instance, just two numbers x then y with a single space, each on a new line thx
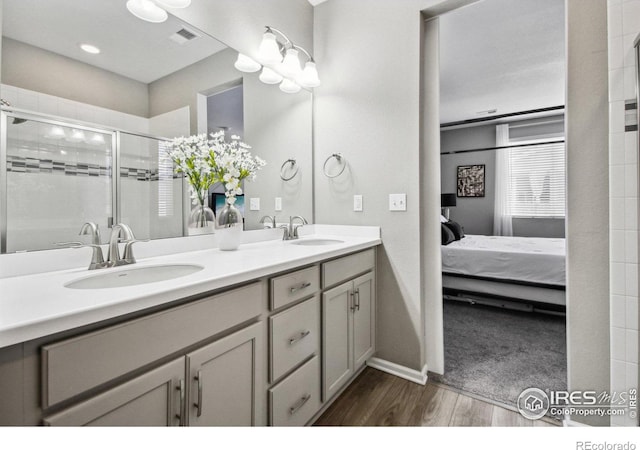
183 35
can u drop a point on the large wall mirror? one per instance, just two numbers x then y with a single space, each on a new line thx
73 113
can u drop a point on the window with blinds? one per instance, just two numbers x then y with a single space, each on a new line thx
537 180
165 180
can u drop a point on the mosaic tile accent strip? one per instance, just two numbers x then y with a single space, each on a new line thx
630 115
19 164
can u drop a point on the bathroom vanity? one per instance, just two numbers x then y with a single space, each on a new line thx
267 335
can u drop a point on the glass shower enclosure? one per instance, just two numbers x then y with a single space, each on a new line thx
56 174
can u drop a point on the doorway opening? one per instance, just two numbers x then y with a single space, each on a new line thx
502 154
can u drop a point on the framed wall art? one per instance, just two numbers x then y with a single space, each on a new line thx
471 181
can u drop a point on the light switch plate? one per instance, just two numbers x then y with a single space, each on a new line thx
357 203
397 202
254 204
278 204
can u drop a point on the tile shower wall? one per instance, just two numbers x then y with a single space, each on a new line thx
623 26
42 167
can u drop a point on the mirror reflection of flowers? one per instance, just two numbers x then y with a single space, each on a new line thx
205 162
233 163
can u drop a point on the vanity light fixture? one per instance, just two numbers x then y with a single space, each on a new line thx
289 86
246 64
147 10
281 63
56 132
90 48
270 76
152 11
76 136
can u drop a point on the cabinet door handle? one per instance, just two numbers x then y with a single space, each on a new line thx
181 388
299 404
198 405
352 296
358 299
304 285
301 336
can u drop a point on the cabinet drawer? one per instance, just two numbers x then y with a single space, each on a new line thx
295 400
76 365
295 335
338 270
294 286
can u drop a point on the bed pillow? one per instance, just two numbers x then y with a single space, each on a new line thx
456 229
447 235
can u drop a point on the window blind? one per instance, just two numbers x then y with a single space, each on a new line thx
165 180
537 180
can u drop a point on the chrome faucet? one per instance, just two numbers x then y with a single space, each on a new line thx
97 258
271 219
121 232
291 230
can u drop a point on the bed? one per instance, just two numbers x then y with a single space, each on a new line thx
521 272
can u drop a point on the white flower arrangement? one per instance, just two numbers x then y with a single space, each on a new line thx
205 162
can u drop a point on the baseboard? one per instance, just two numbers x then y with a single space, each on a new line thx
416 376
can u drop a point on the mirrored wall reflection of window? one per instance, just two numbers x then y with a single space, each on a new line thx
151 194
57 178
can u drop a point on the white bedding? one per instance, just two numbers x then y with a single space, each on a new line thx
534 260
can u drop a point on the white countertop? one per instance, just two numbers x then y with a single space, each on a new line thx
37 305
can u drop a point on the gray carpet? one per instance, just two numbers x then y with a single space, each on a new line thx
497 353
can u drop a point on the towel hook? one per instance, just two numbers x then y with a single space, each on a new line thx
341 159
294 164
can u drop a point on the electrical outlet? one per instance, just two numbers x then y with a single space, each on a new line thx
357 203
278 204
254 204
397 202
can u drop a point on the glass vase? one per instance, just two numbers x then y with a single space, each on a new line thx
229 225
201 220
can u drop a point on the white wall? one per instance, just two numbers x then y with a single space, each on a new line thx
368 108
624 26
587 200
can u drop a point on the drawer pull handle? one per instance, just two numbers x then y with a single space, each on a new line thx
299 288
299 404
300 337
181 388
199 404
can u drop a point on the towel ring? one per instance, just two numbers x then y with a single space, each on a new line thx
340 159
293 163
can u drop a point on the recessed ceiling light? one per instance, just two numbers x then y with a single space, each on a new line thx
90 48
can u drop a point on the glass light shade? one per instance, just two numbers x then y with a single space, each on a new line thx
291 64
147 10
289 86
246 64
309 77
269 51
174 3
269 76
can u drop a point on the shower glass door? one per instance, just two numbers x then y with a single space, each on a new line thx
56 177
150 193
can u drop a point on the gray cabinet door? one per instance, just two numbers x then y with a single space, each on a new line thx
225 380
152 399
363 319
337 359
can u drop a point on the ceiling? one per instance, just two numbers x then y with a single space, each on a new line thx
130 47
507 55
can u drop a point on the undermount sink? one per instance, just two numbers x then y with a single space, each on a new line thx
113 278
317 242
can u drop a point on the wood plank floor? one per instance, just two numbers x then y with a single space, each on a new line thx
376 398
